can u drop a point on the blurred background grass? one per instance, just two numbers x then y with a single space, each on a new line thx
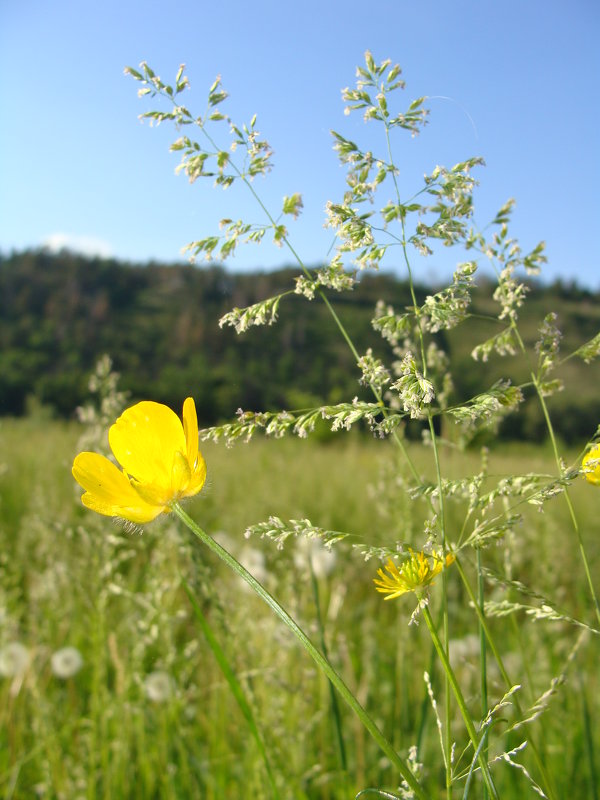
115 729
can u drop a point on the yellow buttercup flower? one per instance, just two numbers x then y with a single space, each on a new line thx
414 575
160 460
591 465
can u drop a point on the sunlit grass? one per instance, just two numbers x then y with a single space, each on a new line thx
72 579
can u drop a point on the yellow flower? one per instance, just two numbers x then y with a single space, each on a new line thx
591 465
160 460
414 575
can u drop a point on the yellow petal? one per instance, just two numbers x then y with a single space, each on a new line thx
108 491
195 459
591 466
190 429
197 478
196 481
180 475
183 484
152 494
145 439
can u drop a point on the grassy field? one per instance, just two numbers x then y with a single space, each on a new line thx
149 714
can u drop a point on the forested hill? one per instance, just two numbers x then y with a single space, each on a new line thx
59 313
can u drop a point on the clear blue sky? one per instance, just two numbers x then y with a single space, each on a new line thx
75 162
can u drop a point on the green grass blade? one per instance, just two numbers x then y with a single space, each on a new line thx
235 686
589 743
323 664
335 709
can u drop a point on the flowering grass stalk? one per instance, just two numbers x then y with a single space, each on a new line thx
416 387
546 363
476 740
490 641
590 477
161 465
322 663
416 575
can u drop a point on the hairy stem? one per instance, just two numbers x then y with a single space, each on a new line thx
475 741
482 657
549 787
557 459
320 660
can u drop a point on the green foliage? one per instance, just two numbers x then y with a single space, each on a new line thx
60 313
72 579
414 382
464 537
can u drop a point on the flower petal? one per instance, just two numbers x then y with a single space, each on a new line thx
392 584
153 494
195 459
108 490
180 475
190 429
591 466
145 439
197 478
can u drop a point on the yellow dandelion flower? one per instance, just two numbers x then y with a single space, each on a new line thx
160 460
591 465
414 575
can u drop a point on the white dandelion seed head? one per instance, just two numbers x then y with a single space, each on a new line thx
66 662
14 660
224 539
323 561
254 561
313 551
464 650
158 687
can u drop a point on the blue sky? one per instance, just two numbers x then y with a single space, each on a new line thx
514 82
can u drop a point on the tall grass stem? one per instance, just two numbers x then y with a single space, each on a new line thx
475 740
234 685
323 664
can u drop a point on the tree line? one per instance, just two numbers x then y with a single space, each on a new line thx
159 323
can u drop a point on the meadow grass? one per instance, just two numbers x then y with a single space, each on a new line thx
150 714
140 666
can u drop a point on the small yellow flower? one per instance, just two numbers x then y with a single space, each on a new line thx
160 460
414 575
591 465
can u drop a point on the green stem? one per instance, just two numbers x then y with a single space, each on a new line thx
482 659
445 621
475 741
315 654
426 704
398 441
572 514
589 748
448 710
549 786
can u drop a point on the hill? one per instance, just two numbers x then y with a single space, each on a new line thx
159 323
